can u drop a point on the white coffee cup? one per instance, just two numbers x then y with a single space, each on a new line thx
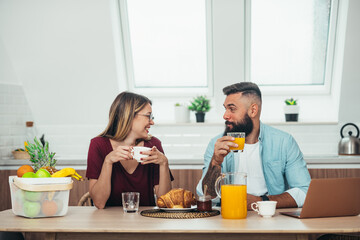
265 209
135 152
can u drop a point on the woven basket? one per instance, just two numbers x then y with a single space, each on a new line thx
20 155
157 213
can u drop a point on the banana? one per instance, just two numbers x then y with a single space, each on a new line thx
25 145
67 172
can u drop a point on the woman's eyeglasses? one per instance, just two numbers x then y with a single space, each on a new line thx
150 116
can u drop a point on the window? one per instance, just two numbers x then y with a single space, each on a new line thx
290 43
167 45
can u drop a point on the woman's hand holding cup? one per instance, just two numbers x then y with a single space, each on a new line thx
120 153
149 155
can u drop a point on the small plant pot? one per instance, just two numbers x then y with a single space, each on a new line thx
200 117
182 114
291 117
291 113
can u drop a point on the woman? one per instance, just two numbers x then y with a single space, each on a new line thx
111 167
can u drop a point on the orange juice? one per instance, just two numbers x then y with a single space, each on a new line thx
240 142
233 201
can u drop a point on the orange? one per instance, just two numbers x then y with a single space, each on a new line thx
24 169
49 208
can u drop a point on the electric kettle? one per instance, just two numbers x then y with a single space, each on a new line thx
349 144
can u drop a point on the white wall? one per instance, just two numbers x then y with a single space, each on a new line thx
350 87
7 71
62 54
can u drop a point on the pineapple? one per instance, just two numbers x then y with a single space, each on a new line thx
40 156
51 170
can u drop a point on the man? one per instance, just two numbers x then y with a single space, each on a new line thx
271 158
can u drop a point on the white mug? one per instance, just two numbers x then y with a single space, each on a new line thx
135 152
264 208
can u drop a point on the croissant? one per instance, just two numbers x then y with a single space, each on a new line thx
176 198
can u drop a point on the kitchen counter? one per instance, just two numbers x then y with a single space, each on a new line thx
196 162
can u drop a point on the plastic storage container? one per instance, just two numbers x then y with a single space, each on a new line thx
40 197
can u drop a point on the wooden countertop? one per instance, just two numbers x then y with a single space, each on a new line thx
114 220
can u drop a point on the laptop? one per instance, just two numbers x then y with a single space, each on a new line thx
330 197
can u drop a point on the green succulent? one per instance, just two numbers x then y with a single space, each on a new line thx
290 101
200 104
40 155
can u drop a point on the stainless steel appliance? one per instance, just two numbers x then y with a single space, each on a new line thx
349 143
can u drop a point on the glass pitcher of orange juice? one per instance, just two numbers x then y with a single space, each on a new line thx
232 194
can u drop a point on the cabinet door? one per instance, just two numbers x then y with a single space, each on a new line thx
334 173
186 178
5 199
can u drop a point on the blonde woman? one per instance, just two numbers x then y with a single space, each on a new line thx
111 168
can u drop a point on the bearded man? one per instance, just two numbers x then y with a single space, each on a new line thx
271 158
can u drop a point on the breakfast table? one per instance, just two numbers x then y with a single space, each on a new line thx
112 223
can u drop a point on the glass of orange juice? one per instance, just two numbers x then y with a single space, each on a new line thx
231 188
239 140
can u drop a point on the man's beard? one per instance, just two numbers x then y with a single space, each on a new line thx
245 126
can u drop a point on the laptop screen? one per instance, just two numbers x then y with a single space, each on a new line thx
331 197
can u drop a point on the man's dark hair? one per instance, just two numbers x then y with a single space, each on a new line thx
246 88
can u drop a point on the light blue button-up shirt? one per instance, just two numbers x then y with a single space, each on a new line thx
283 164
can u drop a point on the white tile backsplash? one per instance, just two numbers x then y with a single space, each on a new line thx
14 112
178 140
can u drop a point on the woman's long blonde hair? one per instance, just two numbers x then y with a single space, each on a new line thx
122 112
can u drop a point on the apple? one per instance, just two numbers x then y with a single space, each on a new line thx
42 173
33 196
31 209
29 175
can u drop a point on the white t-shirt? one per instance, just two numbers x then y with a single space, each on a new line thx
250 163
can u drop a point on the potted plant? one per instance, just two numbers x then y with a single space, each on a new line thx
291 110
182 113
200 105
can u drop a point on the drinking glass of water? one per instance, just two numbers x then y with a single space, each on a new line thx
130 202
